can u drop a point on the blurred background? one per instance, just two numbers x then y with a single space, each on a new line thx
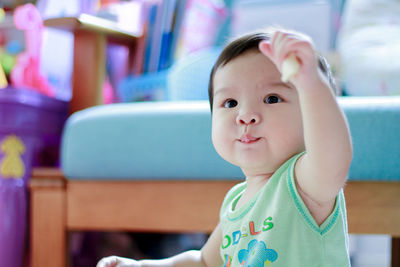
360 38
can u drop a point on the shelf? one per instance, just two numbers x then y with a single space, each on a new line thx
93 24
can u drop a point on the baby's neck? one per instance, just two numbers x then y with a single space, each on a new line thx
257 181
253 185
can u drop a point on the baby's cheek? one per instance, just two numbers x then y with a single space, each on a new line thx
217 138
220 141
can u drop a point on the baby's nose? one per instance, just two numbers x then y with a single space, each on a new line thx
248 118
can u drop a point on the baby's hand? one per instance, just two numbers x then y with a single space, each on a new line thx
293 54
114 261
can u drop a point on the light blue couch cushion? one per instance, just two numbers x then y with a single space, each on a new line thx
172 140
152 140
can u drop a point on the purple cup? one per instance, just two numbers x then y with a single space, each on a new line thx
30 132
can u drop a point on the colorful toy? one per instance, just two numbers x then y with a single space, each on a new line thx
7 62
3 79
8 56
2 14
26 72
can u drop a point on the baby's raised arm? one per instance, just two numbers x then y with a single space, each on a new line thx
323 169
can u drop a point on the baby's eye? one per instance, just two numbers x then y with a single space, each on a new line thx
230 103
272 99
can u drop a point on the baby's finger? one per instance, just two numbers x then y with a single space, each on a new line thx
265 48
304 53
111 261
277 44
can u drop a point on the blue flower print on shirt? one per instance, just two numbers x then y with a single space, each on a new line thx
257 255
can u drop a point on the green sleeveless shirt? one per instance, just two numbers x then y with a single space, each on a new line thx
275 228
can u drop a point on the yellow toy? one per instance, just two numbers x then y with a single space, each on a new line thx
12 165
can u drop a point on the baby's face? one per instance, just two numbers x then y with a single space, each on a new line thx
256 120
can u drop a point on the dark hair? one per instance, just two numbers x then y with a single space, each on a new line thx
249 42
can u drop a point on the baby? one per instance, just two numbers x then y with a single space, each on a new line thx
292 142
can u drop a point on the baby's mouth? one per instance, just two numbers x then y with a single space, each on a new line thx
248 139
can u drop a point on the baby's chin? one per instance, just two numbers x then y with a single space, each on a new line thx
254 169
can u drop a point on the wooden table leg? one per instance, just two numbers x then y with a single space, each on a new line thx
48 227
88 70
395 252
91 35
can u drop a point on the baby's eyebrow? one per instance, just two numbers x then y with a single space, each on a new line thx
277 84
268 86
222 90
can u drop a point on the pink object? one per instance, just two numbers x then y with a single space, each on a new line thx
26 72
108 92
196 35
